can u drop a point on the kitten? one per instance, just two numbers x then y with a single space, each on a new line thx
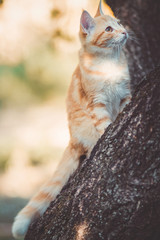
99 90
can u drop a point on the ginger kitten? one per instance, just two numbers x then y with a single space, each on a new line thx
99 90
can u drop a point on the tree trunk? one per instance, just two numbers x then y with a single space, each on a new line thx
115 195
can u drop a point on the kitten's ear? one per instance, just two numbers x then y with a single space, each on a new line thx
99 10
87 22
108 10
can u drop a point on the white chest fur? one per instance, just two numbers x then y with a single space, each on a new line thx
110 85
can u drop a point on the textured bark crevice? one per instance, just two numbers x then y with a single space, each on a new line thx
115 195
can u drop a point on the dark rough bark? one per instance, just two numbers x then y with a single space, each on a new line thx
115 195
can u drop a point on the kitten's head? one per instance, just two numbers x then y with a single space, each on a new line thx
101 32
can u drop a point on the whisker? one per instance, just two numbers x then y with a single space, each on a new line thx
133 35
134 39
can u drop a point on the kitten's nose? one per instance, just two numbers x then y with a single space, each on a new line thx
125 34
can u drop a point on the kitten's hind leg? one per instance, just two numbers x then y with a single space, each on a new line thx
100 116
47 193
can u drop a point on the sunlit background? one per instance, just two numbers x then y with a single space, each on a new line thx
38 54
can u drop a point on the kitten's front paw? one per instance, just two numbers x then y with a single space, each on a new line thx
20 226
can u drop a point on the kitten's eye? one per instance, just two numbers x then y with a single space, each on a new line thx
109 29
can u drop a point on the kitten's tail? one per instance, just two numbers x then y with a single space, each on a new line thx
47 193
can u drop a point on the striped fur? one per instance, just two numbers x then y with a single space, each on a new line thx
99 90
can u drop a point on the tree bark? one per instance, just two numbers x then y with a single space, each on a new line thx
115 195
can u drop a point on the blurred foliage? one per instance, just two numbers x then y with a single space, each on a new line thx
38 157
55 13
4 161
38 78
36 161
60 34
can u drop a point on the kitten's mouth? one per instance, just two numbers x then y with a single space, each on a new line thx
119 42
123 40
